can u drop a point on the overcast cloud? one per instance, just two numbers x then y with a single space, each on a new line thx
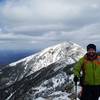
37 24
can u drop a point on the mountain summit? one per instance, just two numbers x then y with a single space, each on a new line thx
41 73
65 51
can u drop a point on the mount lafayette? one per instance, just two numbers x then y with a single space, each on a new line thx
42 76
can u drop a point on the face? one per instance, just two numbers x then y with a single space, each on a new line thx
91 52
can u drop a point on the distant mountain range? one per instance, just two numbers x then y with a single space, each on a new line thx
9 56
43 75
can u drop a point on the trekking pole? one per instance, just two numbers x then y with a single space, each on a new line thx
75 90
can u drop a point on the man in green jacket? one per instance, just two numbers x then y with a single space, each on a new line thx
89 68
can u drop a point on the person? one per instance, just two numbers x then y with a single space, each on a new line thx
88 67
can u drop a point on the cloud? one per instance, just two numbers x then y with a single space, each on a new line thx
36 9
41 23
44 11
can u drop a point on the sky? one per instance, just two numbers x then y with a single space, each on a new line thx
37 24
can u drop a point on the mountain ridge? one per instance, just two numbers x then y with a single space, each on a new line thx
43 68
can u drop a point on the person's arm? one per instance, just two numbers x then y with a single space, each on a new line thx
77 67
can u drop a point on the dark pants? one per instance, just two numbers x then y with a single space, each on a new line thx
90 93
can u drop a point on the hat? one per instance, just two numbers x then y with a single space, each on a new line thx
93 46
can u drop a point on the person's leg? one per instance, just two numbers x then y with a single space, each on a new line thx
95 97
87 93
90 93
96 92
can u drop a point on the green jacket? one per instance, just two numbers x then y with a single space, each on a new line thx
91 70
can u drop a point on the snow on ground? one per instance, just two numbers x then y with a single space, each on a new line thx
61 98
56 96
26 59
40 98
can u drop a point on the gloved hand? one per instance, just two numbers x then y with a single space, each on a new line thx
76 79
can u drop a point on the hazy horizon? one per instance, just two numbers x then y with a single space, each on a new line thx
9 56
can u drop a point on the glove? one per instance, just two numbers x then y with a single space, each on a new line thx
81 81
76 79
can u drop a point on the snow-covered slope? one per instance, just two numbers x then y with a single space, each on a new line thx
66 50
38 71
55 53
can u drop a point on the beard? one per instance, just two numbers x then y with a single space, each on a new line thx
91 56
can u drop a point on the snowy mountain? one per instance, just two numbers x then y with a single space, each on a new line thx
41 75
